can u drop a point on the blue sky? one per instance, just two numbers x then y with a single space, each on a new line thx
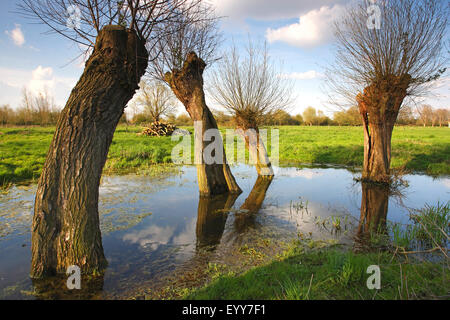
298 33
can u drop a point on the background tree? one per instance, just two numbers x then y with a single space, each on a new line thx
279 118
443 116
184 53
250 89
349 117
183 120
425 114
434 118
26 105
5 113
299 119
66 223
382 67
155 99
310 116
341 118
44 106
406 116
223 118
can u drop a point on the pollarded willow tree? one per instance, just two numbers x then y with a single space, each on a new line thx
250 89
65 228
378 68
183 55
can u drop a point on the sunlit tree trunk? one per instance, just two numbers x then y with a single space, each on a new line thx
66 227
187 85
255 146
379 106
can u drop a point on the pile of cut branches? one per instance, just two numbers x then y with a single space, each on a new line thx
159 129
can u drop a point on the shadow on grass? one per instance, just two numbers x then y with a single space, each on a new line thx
345 155
436 162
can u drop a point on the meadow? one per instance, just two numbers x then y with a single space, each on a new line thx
415 149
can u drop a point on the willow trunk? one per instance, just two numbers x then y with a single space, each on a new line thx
256 148
187 84
65 228
379 107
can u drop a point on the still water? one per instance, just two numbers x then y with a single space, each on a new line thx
158 233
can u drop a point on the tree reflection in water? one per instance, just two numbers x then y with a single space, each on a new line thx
374 209
213 213
246 216
212 217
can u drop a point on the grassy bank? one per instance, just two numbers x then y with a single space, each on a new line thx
331 273
23 150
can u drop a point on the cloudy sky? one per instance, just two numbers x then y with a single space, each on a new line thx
298 33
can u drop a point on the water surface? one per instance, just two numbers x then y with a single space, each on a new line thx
156 229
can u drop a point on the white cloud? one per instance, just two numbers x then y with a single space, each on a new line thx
303 173
153 236
41 79
268 9
17 36
308 75
37 80
314 28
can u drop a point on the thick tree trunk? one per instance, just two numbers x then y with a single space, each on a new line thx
256 148
379 106
66 228
212 217
187 84
374 208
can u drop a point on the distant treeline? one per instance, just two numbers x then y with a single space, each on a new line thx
423 116
34 109
40 110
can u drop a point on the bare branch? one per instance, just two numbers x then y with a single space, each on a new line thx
250 88
409 42
146 17
196 30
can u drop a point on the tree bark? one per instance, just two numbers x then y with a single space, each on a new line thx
187 85
65 227
379 106
256 148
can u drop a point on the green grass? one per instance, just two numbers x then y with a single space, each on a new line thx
430 228
330 273
23 150
415 148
